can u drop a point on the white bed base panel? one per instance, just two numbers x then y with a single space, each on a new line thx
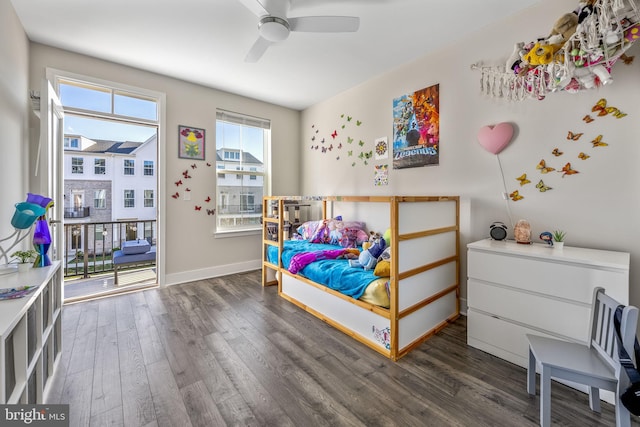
348 315
414 289
421 251
415 325
419 216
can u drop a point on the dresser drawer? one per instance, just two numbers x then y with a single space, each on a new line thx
571 281
537 311
499 337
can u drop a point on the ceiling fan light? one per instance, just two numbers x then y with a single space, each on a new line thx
273 28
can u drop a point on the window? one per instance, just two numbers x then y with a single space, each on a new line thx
242 146
100 232
129 199
77 165
100 166
148 198
129 167
71 142
102 99
100 199
148 167
247 202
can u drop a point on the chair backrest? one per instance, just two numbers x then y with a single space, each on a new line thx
603 334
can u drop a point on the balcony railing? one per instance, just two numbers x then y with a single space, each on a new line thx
89 246
76 212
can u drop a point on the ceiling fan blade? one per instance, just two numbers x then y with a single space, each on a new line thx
255 6
257 50
324 24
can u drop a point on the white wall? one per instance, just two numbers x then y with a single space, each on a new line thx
14 115
598 207
192 252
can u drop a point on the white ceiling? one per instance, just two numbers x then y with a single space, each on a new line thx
205 41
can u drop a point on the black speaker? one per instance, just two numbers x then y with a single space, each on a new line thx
498 231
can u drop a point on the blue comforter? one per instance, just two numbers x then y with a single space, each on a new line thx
333 273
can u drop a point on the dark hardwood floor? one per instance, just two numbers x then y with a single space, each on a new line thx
226 351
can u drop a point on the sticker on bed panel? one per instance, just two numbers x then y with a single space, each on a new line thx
383 336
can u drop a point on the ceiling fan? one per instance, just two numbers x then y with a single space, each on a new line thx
274 25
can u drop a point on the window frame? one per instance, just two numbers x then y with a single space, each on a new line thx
233 159
148 165
145 199
132 167
96 166
77 168
132 198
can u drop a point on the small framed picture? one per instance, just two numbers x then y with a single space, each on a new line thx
190 143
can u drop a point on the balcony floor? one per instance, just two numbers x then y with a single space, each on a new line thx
101 284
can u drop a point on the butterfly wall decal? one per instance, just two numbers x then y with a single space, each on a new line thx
186 175
208 199
361 143
597 142
334 134
627 59
324 149
350 153
540 186
211 211
340 146
338 158
515 196
349 140
600 107
556 152
358 122
566 170
322 140
187 189
313 138
198 207
175 196
587 118
178 183
208 164
574 136
583 156
349 118
523 179
543 168
193 166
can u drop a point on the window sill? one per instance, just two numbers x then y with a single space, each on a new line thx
239 233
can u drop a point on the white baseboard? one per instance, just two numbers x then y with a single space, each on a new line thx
208 273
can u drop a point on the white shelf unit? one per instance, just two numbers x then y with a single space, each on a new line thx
30 335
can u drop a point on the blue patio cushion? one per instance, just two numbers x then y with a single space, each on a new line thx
120 257
132 247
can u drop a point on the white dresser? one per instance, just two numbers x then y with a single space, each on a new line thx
515 289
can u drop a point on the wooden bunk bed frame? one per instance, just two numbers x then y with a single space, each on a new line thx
424 285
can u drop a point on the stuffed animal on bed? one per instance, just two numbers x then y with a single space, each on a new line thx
369 257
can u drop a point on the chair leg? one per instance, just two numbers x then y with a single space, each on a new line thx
545 396
531 374
594 399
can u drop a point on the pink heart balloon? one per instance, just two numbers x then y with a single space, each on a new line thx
495 138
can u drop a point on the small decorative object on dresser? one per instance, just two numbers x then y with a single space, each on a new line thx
547 237
558 239
498 231
522 232
24 257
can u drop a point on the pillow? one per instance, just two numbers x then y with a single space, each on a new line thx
377 293
308 229
133 247
383 269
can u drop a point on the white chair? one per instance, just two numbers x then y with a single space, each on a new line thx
595 365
